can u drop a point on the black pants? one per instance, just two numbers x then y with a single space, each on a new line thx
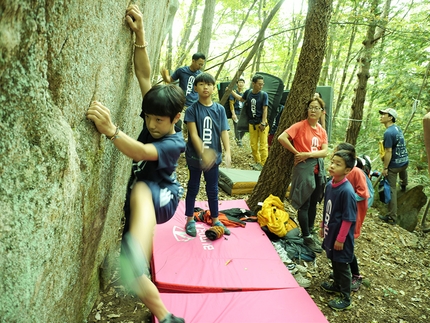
308 211
342 278
354 267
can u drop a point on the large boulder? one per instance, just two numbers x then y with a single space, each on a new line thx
62 185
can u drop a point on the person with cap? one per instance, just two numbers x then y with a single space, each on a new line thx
395 160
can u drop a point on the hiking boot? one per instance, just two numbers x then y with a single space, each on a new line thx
190 228
311 244
356 282
339 304
302 281
330 287
172 319
219 224
388 219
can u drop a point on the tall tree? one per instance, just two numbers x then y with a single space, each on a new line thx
254 49
185 36
375 31
206 30
280 162
227 54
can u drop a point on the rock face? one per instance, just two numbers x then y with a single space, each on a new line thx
62 185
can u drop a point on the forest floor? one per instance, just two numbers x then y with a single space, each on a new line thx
394 261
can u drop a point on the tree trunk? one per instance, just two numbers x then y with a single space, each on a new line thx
343 86
185 39
280 162
295 40
253 50
206 30
356 114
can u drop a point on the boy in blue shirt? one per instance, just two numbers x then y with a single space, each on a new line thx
338 226
153 192
207 128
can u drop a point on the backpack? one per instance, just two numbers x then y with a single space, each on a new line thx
371 192
364 164
273 216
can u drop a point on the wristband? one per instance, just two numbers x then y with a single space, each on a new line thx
115 135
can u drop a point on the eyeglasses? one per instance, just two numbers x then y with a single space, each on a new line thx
314 109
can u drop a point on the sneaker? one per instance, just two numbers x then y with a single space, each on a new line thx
330 287
388 219
190 228
339 304
226 231
292 269
356 282
282 253
132 260
257 166
309 242
301 269
239 143
331 276
172 319
302 281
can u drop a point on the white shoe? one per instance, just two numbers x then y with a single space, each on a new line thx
282 253
301 269
302 281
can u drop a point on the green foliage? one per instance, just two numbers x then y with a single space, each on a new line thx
398 66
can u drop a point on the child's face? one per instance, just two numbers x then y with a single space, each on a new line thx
337 168
204 89
160 126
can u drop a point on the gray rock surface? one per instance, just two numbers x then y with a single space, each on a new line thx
62 185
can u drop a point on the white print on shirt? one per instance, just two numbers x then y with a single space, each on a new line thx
190 85
207 132
327 217
253 107
314 144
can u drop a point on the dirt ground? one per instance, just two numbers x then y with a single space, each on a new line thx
394 261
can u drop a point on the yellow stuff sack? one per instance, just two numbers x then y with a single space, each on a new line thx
274 216
381 150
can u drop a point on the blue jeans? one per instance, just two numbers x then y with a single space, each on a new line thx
211 178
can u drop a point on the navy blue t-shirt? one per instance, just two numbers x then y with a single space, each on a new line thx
210 122
186 79
163 170
339 205
393 138
256 103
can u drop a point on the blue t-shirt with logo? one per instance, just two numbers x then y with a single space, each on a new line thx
210 122
394 139
186 79
256 103
339 205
